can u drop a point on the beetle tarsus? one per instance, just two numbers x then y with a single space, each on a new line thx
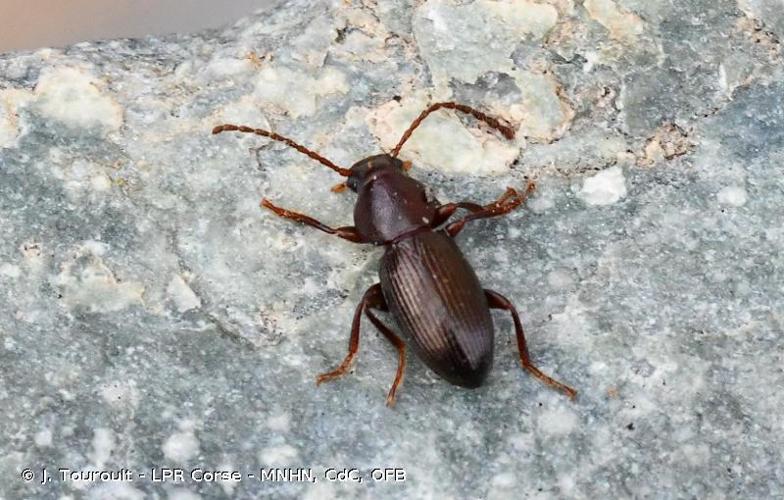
338 372
339 188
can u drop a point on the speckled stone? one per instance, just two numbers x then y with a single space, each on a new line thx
153 316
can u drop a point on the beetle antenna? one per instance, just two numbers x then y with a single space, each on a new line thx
285 140
507 131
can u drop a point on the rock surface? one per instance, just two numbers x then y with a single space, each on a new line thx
153 316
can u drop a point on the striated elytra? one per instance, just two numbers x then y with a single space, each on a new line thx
426 284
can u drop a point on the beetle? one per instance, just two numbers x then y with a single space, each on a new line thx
425 282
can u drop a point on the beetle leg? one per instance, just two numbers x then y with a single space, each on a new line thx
401 352
444 212
371 299
508 201
371 295
346 232
497 301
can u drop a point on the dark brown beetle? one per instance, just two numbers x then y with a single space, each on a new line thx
426 283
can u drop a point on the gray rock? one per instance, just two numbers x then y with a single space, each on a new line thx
153 316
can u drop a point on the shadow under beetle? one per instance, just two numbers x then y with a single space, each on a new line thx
425 281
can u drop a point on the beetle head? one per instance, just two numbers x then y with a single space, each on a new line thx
362 170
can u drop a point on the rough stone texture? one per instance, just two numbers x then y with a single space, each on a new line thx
153 316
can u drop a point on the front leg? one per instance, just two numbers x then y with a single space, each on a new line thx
508 201
346 232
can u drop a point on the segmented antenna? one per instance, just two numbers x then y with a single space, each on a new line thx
345 172
507 131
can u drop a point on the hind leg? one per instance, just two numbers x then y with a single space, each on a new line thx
401 353
371 295
372 299
497 301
